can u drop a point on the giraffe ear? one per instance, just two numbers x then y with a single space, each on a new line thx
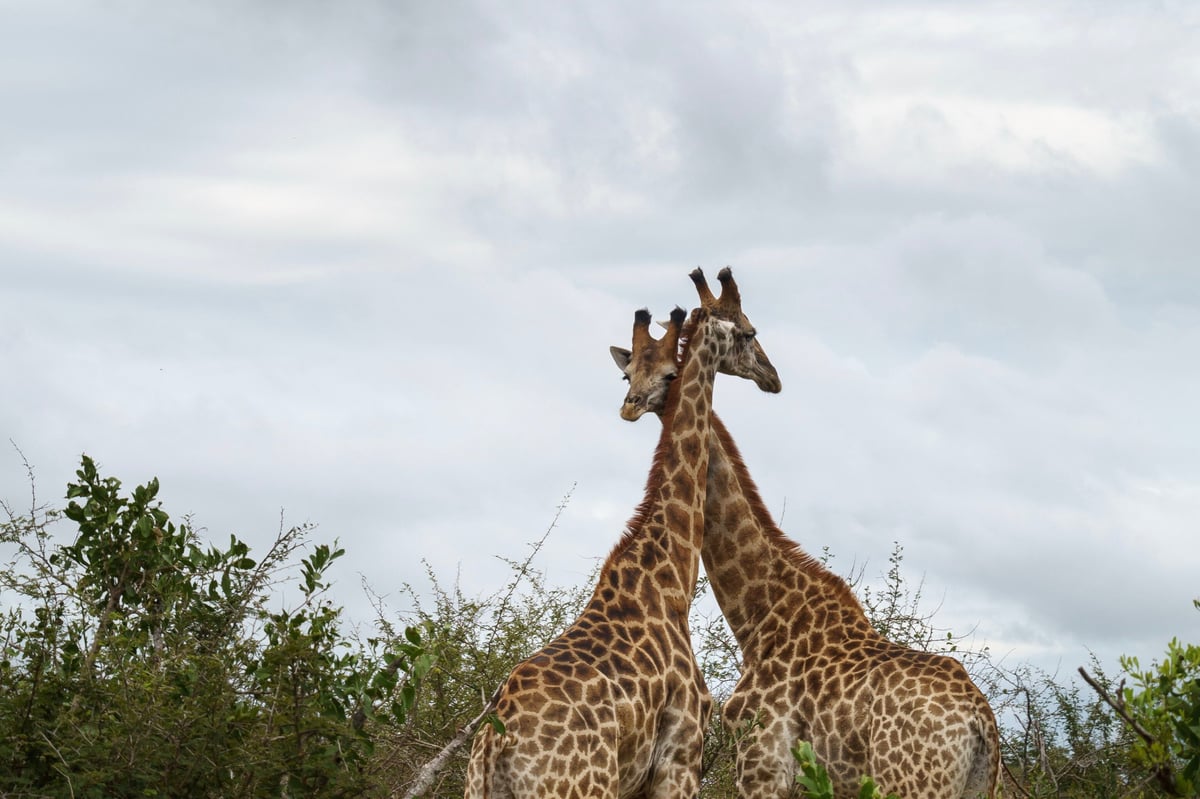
621 356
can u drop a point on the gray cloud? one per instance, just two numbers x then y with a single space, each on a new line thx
364 264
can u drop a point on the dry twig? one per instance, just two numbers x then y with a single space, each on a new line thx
430 770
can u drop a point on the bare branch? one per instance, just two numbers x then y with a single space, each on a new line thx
430 770
1117 705
523 570
1162 773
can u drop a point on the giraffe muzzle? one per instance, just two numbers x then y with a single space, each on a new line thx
631 410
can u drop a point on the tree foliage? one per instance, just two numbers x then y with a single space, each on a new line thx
1057 740
137 661
1161 711
478 640
1163 706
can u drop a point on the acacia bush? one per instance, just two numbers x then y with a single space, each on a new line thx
1162 708
1059 740
477 641
138 661
1161 716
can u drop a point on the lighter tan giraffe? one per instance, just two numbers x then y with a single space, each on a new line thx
616 705
813 667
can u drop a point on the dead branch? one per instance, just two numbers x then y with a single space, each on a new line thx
430 770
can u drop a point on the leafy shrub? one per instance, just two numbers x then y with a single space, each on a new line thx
814 780
1164 704
136 661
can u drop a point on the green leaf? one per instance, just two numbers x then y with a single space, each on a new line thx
422 665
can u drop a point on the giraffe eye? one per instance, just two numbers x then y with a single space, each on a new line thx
625 378
671 376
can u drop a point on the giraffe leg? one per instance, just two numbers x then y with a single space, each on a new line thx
765 766
678 752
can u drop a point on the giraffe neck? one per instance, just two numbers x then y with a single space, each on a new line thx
762 580
658 559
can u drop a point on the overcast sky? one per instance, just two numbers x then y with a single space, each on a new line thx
362 262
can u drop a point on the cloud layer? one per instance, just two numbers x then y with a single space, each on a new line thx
364 264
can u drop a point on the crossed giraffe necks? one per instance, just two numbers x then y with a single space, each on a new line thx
755 569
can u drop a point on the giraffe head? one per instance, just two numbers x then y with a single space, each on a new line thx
652 363
650 366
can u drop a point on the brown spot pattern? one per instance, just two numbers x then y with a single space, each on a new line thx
616 705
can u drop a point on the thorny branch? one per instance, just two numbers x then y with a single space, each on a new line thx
1163 773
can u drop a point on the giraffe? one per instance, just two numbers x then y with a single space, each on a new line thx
813 667
616 705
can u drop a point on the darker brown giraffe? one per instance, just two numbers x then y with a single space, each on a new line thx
616 705
813 667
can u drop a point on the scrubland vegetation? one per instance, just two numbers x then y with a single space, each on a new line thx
137 659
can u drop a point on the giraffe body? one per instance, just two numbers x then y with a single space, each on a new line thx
813 667
616 706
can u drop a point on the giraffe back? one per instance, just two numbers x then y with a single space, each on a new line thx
815 669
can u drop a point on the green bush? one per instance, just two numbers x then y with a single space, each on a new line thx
478 640
814 780
1163 708
136 661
